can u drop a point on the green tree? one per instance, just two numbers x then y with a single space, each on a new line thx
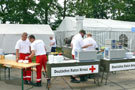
116 8
46 8
61 12
129 11
18 11
27 11
46 11
90 8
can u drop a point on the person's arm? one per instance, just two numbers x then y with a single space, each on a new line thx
17 54
31 55
30 49
52 43
82 44
71 45
17 48
32 52
88 45
45 48
85 46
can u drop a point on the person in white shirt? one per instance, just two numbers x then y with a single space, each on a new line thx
38 49
89 44
53 44
76 45
77 42
23 50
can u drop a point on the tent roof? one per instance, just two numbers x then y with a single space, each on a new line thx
102 23
108 23
29 28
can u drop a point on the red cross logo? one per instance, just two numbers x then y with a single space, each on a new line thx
92 69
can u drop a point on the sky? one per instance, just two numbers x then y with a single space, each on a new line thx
61 2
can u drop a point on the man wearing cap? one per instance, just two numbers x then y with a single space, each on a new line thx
23 50
77 42
76 45
38 49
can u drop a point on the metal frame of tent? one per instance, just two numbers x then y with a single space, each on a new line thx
99 35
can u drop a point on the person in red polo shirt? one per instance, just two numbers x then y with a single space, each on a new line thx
38 49
23 50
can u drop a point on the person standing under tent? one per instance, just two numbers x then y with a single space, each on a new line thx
76 45
89 44
38 49
53 44
73 52
23 50
77 42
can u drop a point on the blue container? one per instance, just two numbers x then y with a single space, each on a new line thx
113 41
113 46
120 46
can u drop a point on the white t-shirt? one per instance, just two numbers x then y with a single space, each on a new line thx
39 47
23 46
53 41
87 41
77 42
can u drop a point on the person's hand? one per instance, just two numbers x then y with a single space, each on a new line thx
17 59
90 44
27 57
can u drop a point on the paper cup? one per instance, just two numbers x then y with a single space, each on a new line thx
26 61
20 61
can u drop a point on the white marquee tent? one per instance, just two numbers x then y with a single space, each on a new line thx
70 24
100 28
10 33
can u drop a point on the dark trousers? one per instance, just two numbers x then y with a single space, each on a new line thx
53 49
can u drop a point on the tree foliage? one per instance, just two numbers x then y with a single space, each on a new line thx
51 12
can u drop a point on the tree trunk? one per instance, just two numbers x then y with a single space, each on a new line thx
46 12
65 8
46 15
